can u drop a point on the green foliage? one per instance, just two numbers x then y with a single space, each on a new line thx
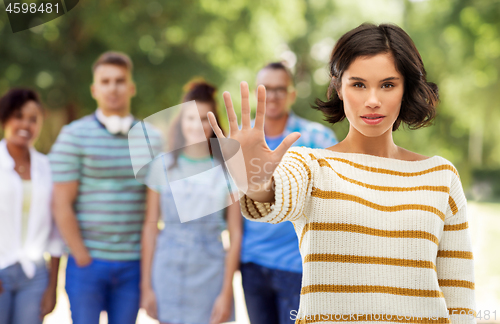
460 44
486 184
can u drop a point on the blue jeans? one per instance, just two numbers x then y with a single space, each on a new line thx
21 297
112 286
270 294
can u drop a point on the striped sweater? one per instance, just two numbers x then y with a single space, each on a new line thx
382 240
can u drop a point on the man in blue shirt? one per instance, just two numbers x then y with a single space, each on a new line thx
271 266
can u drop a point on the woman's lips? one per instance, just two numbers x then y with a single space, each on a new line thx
372 120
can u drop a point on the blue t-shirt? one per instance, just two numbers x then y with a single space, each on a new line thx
276 246
275 141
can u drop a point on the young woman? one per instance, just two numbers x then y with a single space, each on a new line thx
383 231
186 274
27 290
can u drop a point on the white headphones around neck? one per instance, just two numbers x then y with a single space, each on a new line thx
115 124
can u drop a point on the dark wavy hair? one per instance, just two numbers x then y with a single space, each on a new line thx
200 91
14 100
418 106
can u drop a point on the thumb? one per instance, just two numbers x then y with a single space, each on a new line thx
213 316
151 309
155 312
287 142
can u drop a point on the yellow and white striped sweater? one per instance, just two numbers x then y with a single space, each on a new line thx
382 240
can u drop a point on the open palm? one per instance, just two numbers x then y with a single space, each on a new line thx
259 161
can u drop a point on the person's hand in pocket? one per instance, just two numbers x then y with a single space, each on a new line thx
83 259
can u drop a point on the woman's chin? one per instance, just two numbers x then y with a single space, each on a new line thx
368 130
20 141
372 132
195 140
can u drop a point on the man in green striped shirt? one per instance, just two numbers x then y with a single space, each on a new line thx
99 205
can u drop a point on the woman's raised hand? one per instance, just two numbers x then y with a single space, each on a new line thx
259 160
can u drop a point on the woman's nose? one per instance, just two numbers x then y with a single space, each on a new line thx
25 123
372 101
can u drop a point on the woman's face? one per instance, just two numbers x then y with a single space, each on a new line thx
191 125
24 125
372 91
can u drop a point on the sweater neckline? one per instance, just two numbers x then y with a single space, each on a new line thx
364 156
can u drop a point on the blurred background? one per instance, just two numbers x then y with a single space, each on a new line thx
226 42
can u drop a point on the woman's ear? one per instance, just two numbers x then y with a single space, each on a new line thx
338 87
334 85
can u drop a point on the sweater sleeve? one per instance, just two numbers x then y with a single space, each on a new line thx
292 185
454 263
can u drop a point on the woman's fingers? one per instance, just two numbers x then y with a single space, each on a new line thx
287 142
231 115
213 123
213 316
148 303
154 313
245 105
48 303
261 107
151 310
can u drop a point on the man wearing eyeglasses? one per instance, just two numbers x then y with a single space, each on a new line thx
271 266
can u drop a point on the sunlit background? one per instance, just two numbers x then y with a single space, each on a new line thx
229 41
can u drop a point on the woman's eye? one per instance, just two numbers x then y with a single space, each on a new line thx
388 85
358 85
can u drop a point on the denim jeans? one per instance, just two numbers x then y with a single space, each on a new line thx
112 286
21 297
270 294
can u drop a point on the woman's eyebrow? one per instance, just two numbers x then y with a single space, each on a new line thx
361 79
390 78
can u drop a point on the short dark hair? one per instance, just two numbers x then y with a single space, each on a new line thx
199 90
280 66
14 100
420 97
114 58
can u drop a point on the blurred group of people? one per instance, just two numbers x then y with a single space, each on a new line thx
83 199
